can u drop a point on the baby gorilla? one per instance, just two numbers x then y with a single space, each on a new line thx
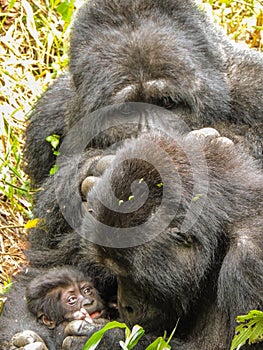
61 295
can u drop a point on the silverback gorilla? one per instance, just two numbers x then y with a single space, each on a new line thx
165 53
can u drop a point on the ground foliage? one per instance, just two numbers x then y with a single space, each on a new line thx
33 51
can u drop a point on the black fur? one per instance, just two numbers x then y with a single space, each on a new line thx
162 52
203 277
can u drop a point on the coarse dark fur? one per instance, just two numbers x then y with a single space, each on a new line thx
165 53
203 277
162 52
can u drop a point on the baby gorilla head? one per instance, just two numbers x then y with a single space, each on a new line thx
63 295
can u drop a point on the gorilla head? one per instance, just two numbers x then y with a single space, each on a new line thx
145 52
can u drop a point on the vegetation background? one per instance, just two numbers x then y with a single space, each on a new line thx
33 51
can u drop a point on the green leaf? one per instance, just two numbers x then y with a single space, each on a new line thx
123 346
53 170
173 331
134 336
95 339
65 9
53 140
250 330
62 9
159 344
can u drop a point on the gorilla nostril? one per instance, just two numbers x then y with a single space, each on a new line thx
87 185
88 302
129 309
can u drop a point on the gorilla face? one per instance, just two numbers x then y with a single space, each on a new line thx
115 61
159 282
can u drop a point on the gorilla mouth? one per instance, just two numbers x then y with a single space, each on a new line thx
96 314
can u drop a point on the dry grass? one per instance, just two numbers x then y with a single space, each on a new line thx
33 50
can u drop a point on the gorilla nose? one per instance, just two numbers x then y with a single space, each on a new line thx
129 309
87 302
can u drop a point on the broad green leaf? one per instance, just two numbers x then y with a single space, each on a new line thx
250 330
95 339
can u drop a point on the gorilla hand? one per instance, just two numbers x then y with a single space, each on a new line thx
77 333
27 340
96 166
206 134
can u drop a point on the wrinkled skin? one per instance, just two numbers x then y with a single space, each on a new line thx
168 54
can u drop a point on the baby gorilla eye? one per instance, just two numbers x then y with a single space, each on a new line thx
72 299
87 291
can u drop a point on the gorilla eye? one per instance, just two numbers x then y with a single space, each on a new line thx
87 291
166 102
72 300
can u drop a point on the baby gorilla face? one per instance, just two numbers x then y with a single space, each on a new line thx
63 294
81 301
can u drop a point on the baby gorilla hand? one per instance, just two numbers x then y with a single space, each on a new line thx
27 340
77 333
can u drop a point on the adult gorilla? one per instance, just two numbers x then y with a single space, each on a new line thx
161 52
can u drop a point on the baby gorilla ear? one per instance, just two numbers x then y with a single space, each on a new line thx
45 321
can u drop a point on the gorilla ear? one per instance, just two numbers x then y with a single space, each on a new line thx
45 321
240 278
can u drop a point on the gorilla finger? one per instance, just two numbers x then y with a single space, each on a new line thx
70 343
87 185
104 163
204 133
210 134
25 338
79 327
35 346
224 140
